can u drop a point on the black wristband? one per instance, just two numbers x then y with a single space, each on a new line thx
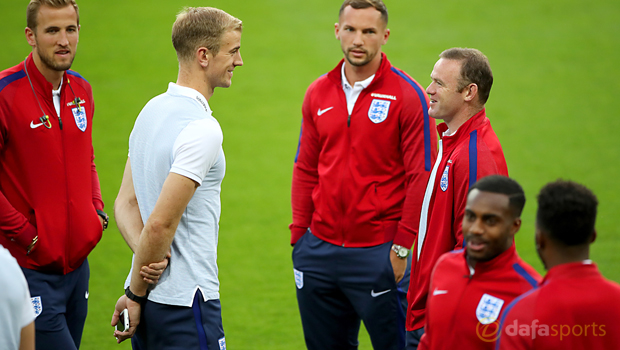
137 299
105 218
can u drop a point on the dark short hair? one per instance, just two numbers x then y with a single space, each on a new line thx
503 185
567 212
32 10
475 69
362 4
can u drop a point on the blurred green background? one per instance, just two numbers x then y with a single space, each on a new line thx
557 80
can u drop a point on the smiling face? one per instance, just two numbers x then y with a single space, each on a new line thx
361 32
489 225
221 66
55 38
446 100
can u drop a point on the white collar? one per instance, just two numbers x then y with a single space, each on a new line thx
191 93
364 83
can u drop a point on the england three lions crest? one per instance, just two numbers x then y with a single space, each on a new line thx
488 309
80 118
378 110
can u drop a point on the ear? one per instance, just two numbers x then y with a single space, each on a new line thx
593 237
30 37
337 30
203 56
386 36
516 225
470 91
540 240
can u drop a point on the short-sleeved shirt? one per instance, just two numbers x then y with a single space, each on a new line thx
176 133
16 311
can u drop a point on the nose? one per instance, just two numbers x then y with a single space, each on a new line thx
63 39
238 60
476 227
357 39
429 91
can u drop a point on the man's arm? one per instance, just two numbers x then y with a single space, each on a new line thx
158 233
27 337
130 225
305 173
154 243
126 210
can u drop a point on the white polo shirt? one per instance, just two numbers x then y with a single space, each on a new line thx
175 132
16 310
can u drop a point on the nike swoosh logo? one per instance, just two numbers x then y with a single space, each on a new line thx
34 126
86 295
439 292
374 295
321 111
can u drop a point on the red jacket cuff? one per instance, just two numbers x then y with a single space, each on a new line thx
25 237
404 236
296 232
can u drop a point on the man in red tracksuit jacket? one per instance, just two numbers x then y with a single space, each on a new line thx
50 203
575 307
468 151
471 287
366 149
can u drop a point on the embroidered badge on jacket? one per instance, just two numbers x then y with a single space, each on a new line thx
378 110
488 309
80 118
443 183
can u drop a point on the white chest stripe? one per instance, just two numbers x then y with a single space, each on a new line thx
428 194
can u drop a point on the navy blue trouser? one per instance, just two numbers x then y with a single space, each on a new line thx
172 327
62 301
413 338
339 287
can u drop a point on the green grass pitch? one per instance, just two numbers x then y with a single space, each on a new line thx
554 106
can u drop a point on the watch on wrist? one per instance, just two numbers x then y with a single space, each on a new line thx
137 299
105 218
401 252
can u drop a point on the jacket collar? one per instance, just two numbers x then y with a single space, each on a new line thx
471 124
40 84
570 270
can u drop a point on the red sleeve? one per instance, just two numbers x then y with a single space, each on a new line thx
419 144
305 173
13 223
97 199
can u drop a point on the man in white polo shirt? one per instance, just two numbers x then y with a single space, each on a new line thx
169 200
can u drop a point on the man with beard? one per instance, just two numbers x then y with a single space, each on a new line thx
365 153
51 212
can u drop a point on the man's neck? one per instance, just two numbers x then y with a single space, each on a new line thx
567 255
461 118
190 78
361 73
54 77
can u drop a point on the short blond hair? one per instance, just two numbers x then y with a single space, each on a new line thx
33 10
201 27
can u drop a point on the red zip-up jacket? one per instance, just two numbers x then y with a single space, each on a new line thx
359 179
468 155
48 182
464 309
575 308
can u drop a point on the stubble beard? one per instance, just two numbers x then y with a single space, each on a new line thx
50 63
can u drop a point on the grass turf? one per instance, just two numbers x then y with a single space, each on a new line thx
556 86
